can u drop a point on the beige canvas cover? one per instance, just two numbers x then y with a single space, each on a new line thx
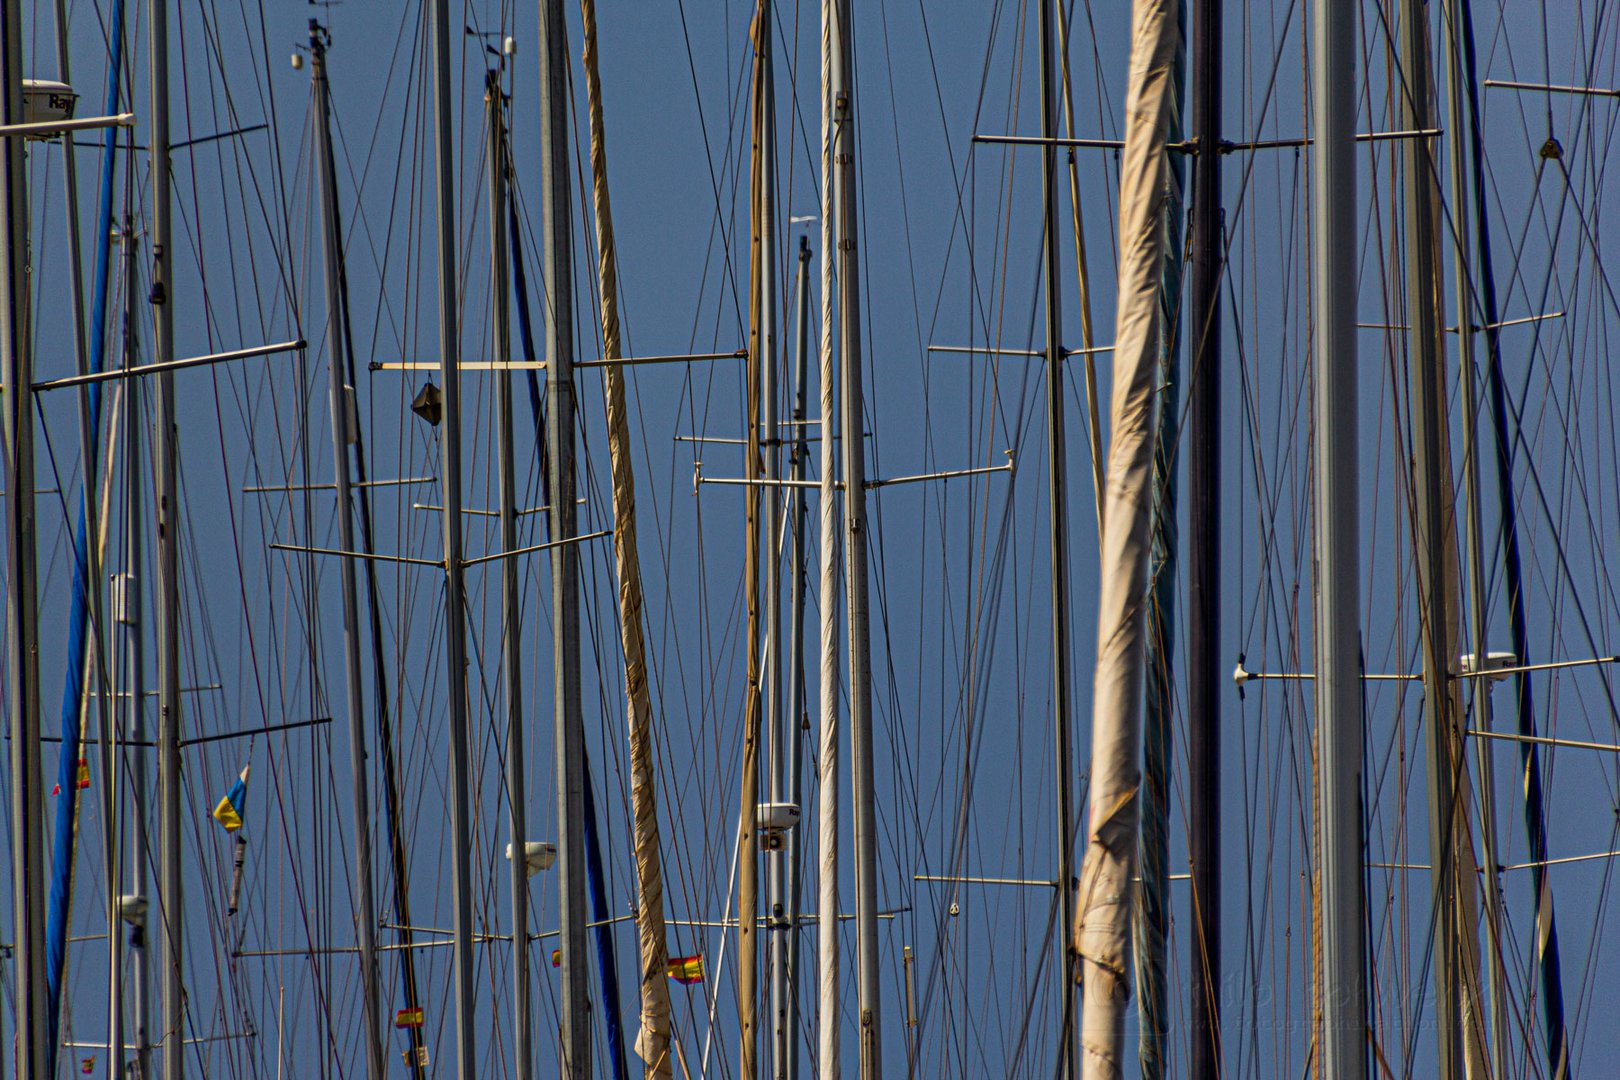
1102 917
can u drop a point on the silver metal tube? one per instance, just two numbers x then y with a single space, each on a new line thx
171 907
511 601
828 1014
557 272
852 427
156 368
135 676
1479 690
89 436
455 598
1422 334
22 616
1342 987
761 274
1552 88
1057 493
339 396
773 714
790 745
56 127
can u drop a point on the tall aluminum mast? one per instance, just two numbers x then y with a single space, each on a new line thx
172 908
1459 1038
511 600
340 400
557 276
851 429
757 709
1057 480
1204 545
22 617
455 596
140 912
1342 978
829 1013
1477 307
788 743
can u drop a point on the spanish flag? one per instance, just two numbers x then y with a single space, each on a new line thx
88 1066
686 970
408 1018
556 958
229 811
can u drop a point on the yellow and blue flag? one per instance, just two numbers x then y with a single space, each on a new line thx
229 811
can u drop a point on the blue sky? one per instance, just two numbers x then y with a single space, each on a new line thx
950 238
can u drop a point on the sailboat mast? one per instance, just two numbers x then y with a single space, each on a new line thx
780 731
1057 495
1342 992
557 280
130 616
84 640
415 1056
341 397
455 597
852 431
760 357
1479 690
22 619
168 562
93 340
1476 300
1459 1035
511 600
789 743
1204 546
829 1014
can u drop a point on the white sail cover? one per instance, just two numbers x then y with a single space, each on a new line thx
653 1040
1102 918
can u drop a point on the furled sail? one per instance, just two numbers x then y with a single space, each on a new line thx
1102 929
653 1041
